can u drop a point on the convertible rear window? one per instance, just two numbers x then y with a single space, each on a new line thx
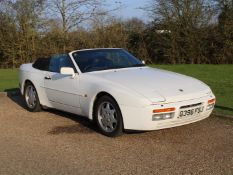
42 64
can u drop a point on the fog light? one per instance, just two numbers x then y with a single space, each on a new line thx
167 116
157 117
164 116
210 106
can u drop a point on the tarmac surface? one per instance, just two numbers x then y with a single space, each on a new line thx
54 142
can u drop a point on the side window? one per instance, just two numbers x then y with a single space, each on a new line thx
59 61
54 65
65 61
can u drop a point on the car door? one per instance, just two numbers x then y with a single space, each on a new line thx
61 90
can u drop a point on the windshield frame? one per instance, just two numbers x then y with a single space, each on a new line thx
139 62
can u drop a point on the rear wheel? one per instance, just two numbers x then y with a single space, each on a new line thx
31 98
108 116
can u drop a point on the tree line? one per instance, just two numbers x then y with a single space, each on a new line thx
179 32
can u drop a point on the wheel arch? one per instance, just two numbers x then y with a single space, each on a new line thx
24 86
99 95
25 83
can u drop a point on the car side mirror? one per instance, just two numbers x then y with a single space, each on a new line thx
143 62
68 71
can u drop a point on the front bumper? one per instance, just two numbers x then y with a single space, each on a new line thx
135 118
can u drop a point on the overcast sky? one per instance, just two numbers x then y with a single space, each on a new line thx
130 8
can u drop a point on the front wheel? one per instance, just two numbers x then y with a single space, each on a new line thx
108 116
31 98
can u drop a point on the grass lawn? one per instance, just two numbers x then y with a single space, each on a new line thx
218 77
8 79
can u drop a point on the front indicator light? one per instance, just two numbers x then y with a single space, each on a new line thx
164 110
211 101
164 116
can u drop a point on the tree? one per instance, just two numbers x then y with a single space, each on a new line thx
20 29
72 13
183 19
225 27
135 29
27 20
8 37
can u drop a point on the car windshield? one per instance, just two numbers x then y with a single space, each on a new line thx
104 59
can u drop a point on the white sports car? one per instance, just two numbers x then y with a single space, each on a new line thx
116 90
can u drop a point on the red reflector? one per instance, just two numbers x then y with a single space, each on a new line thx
164 110
211 101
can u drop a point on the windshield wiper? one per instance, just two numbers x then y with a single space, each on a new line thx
114 67
138 65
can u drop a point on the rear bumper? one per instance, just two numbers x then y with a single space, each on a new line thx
141 118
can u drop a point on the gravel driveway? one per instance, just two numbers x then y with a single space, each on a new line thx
53 142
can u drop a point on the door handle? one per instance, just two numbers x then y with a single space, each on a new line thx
47 78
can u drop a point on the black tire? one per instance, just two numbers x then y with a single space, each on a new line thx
36 107
99 119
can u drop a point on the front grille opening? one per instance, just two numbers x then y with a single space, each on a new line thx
189 106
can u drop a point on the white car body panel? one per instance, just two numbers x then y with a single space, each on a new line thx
62 89
155 84
27 72
138 91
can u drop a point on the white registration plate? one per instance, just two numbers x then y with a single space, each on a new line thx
191 112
